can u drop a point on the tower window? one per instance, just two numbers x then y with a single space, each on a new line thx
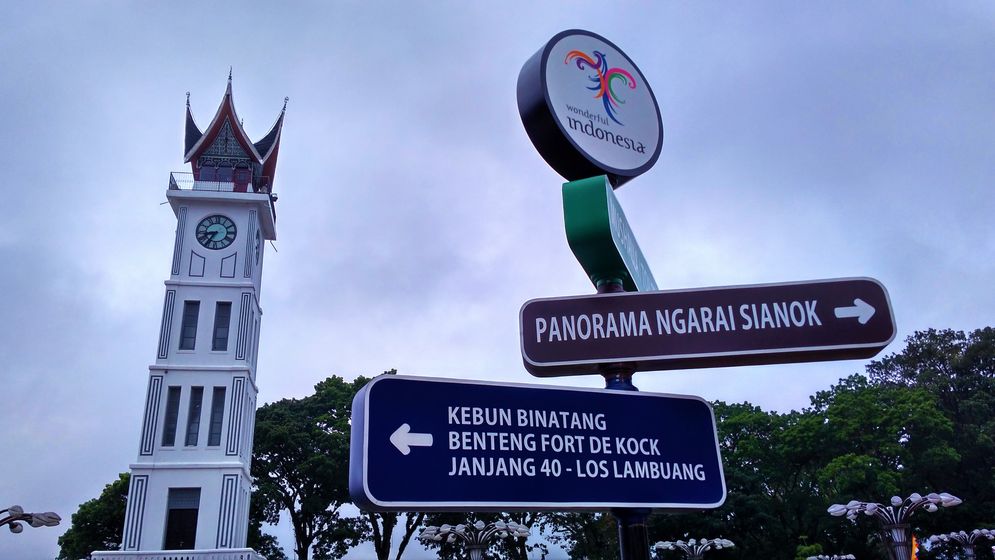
217 416
193 417
222 320
172 411
188 329
182 504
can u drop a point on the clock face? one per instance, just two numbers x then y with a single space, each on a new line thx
216 232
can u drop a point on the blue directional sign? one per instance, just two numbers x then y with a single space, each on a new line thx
437 444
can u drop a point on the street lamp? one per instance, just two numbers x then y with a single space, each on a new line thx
833 557
693 549
15 514
477 537
894 518
966 540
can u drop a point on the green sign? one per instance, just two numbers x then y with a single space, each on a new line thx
600 237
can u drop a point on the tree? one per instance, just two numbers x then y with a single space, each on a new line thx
300 465
958 370
769 476
804 551
582 534
263 543
782 470
381 530
98 523
921 420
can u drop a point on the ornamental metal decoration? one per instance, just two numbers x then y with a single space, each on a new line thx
833 557
894 518
694 548
476 537
964 539
15 515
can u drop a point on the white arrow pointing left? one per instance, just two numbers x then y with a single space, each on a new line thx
403 439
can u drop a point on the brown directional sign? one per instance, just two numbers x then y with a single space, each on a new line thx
810 321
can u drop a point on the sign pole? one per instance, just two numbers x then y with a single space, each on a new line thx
633 536
597 144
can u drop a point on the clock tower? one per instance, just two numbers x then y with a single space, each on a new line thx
190 485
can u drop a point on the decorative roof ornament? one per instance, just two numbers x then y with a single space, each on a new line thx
260 156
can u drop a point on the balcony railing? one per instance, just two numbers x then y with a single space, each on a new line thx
184 180
213 554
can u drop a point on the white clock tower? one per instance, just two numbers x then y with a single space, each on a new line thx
190 485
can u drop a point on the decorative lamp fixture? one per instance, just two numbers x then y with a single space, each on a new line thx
964 539
15 514
476 537
694 548
894 518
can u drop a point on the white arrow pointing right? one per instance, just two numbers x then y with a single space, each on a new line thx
860 309
403 439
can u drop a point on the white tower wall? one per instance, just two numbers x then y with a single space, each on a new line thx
183 449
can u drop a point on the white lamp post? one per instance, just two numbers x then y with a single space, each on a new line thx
15 514
894 518
966 540
694 548
476 537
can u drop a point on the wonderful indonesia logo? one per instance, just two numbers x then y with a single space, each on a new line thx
604 82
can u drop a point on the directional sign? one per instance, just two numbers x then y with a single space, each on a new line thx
421 444
707 327
600 237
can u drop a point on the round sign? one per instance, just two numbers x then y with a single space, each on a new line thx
588 109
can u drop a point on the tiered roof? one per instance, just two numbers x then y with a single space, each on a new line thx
226 126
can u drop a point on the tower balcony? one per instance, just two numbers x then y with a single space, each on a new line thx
185 189
185 181
213 554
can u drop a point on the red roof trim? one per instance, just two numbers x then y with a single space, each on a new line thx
226 111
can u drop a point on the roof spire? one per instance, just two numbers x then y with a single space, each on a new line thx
229 74
188 100
285 100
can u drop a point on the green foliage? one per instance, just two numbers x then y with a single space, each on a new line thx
381 529
803 551
263 543
98 523
592 536
921 421
301 465
958 370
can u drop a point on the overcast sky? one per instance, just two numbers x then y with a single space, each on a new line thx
802 141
